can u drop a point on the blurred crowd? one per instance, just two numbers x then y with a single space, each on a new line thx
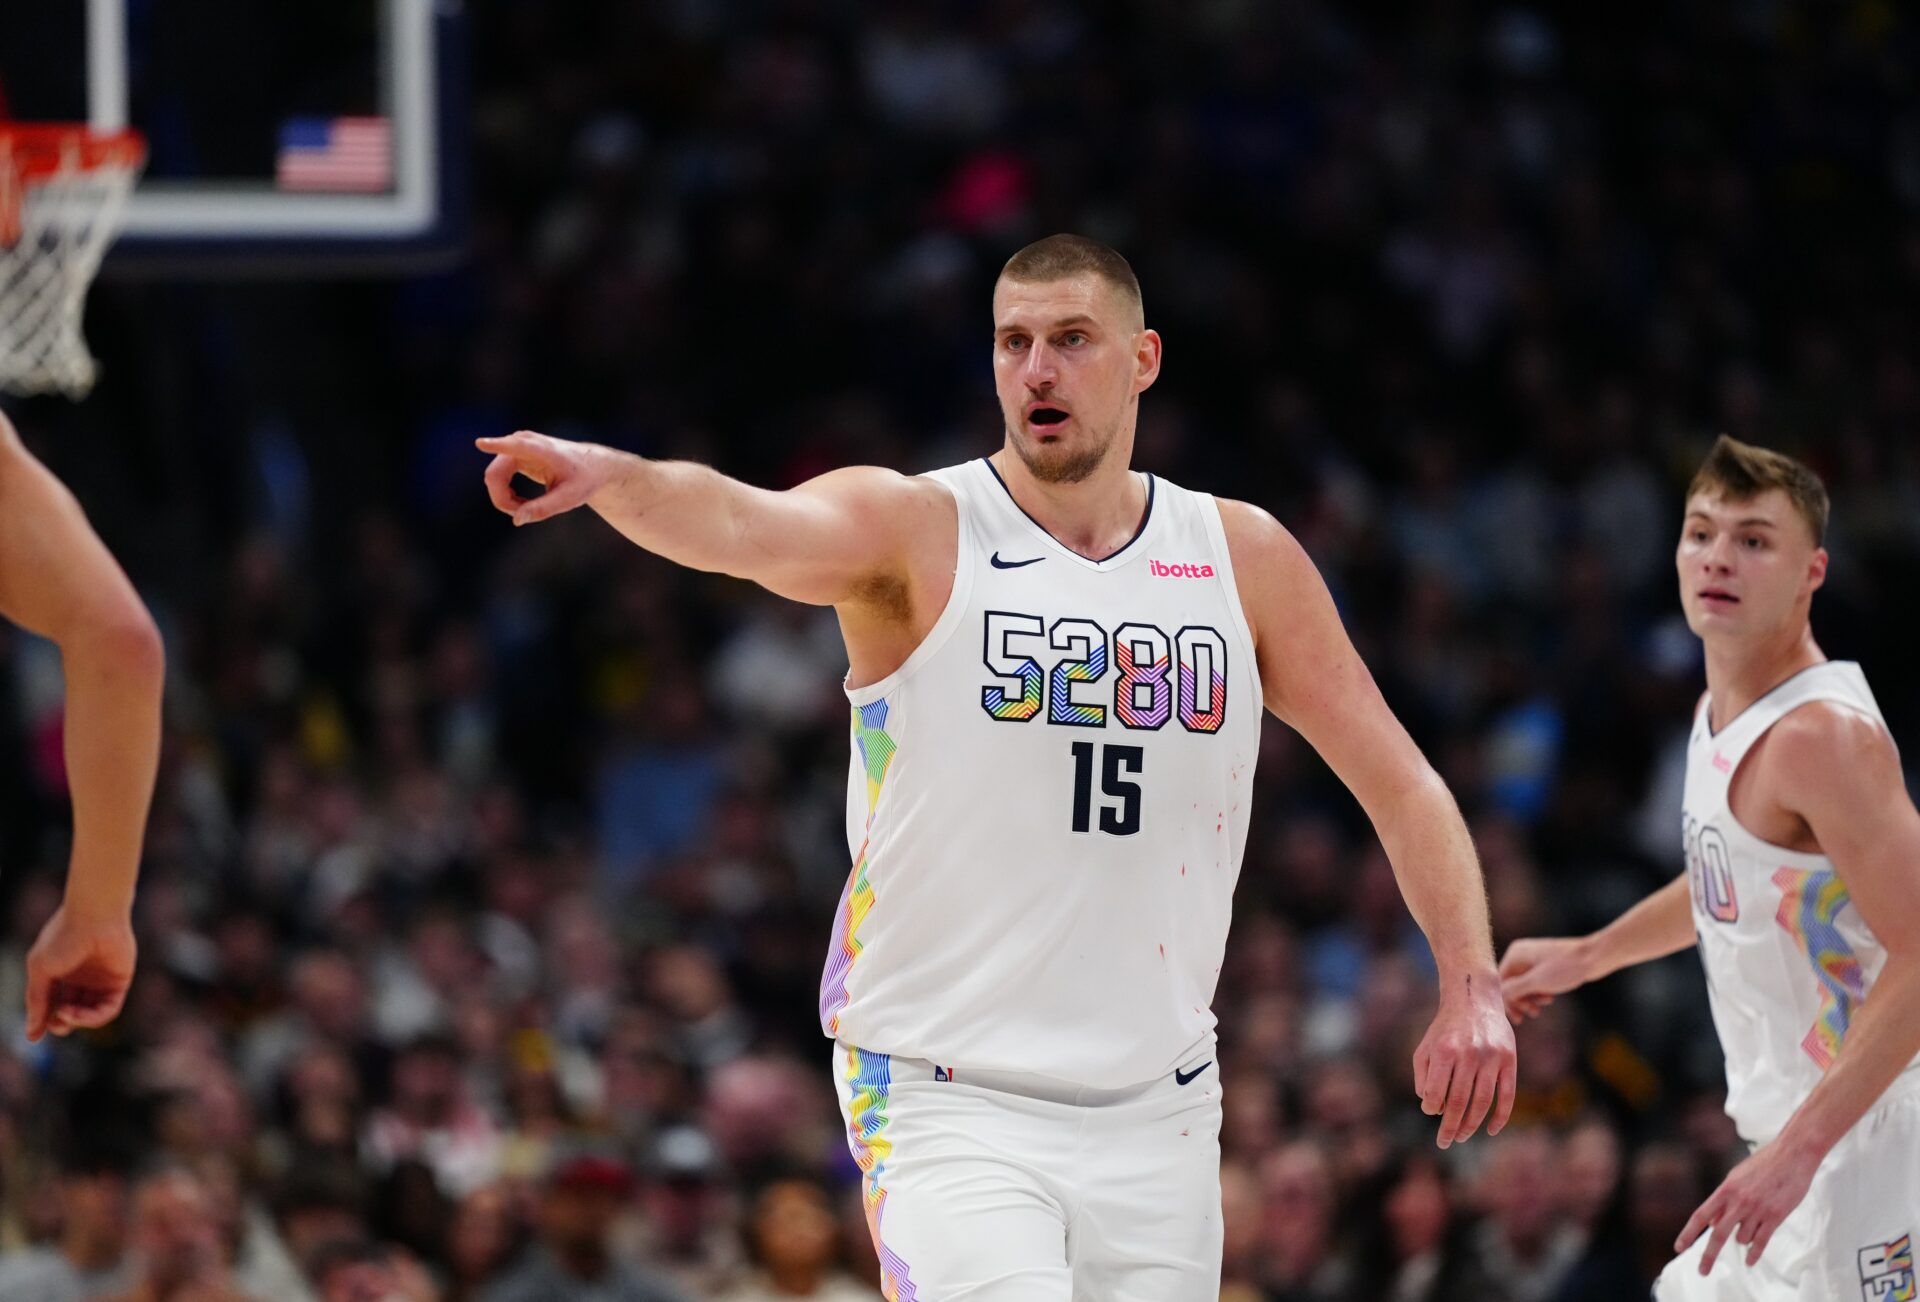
489 879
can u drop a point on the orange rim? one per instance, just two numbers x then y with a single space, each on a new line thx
31 153
43 148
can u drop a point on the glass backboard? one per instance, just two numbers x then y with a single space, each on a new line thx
290 137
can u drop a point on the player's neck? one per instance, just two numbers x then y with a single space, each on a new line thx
1741 672
1095 517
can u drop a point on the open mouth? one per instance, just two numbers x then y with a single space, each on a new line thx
1046 416
1719 595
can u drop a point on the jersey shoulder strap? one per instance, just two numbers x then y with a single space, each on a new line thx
1838 681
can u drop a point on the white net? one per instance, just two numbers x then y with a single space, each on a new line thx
66 218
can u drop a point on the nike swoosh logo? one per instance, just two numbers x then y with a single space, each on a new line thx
1183 1078
999 564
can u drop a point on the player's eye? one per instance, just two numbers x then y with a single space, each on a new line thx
1073 338
1015 343
1753 542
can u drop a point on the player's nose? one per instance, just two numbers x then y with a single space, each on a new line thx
1042 366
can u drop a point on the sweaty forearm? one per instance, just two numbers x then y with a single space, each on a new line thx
114 674
1657 926
1433 858
1882 1039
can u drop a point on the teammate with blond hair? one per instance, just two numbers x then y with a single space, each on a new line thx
1802 890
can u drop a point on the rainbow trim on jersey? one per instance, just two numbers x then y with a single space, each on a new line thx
876 751
869 1078
1810 901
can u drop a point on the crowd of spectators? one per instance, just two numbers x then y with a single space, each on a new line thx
489 878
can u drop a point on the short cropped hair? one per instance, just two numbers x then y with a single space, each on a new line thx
1741 472
1058 257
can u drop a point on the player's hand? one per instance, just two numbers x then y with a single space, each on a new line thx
1465 1065
571 472
1755 1197
1534 971
78 972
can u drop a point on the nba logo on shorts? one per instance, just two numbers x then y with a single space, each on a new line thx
1886 1271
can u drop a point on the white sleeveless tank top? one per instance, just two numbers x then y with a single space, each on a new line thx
1048 802
1788 957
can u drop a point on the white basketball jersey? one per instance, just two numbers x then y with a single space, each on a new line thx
1048 802
1788 957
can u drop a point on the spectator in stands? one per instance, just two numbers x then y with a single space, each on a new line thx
89 1254
572 1255
177 1253
794 1240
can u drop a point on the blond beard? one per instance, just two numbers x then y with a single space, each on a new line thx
1068 468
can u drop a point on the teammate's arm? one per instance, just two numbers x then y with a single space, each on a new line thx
1533 971
58 580
1839 771
1315 681
831 541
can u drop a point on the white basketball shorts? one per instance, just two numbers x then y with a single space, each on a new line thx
1005 1187
1850 1240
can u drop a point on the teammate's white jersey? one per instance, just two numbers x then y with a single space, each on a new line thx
1048 803
1788 956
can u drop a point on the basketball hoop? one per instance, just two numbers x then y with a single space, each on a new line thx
63 192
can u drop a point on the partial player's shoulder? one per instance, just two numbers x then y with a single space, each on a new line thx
1829 748
1266 556
883 493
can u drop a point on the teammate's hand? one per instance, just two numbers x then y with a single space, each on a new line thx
78 972
571 472
1465 1065
1756 1196
1534 971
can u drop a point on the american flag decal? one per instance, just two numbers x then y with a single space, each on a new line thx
336 154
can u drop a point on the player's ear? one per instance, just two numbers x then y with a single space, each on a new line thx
1146 360
1817 569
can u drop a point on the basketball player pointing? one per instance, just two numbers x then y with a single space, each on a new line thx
1803 888
1057 668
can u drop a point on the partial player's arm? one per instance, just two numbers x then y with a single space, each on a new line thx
1315 681
1839 771
58 580
1534 971
833 541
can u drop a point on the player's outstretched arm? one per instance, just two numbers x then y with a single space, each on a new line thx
1315 681
1838 770
824 542
1533 971
58 580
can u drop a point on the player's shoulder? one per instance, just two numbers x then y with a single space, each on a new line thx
880 488
1265 553
1828 745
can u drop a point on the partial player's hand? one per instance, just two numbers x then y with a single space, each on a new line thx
1759 1194
1534 971
1465 1065
78 972
571 472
